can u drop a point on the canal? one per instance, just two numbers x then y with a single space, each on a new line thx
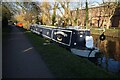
109 56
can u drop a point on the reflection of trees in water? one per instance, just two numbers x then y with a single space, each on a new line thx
110 47
103 46
117 52
105 51
114 48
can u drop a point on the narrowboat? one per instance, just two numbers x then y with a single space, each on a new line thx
79 41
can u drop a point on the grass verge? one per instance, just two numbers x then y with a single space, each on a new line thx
63 63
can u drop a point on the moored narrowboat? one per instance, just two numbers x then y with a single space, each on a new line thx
79 41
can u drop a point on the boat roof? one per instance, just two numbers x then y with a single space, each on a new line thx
77 28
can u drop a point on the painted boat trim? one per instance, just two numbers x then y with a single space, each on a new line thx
62 42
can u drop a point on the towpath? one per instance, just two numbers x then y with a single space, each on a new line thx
20 59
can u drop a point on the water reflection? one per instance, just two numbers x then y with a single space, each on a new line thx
110 49
109 64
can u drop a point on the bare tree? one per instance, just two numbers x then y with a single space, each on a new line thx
54 13
67 14
27 14
109 11
45 12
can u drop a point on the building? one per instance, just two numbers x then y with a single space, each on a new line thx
101 16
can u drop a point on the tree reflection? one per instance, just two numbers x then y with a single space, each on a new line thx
110 50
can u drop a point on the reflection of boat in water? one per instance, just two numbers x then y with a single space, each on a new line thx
79 41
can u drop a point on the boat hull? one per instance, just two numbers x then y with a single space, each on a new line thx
84 53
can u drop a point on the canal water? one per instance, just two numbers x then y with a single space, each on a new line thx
109 56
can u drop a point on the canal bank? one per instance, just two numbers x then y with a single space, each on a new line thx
108 32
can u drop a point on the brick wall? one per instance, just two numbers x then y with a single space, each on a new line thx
99 17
